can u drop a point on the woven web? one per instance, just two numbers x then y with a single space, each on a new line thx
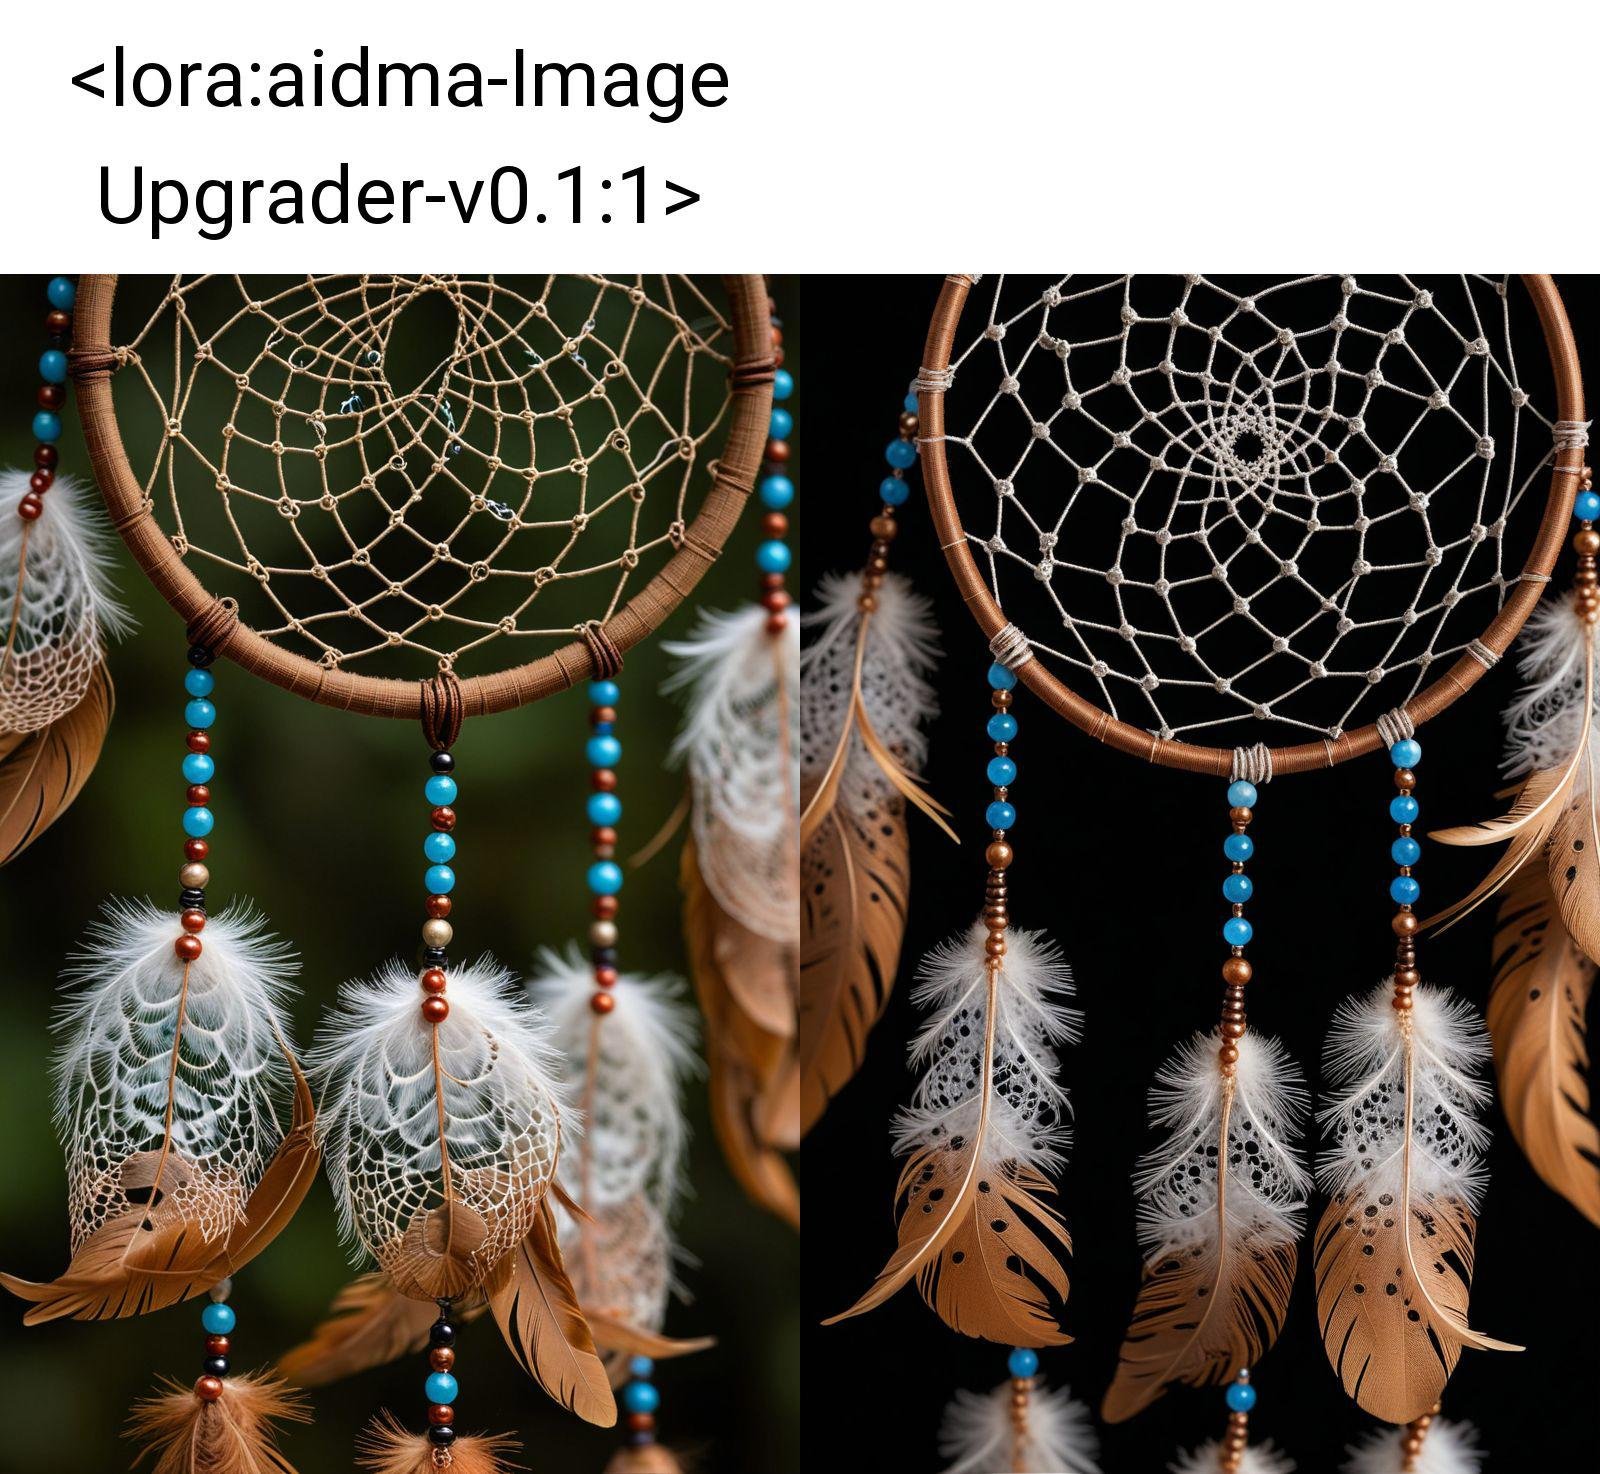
1224 501
403 470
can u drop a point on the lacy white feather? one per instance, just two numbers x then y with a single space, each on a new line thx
1545 721
740 741
1030 1112
1177 1180
1364 1122
1261 1458
67 606
902 648
379 1124
115 1076
977 1433
1448 1448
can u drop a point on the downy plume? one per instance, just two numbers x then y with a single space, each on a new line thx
1402 1164
234 1434
1222 1204
173 1080
980 1435
986 1125
1447 1448
386 1447
1261 1458
864 697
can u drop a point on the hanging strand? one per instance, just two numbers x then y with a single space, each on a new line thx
1404 889
1237 888
776 490
1023 1365
51 396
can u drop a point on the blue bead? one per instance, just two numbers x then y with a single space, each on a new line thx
439 848
641 1369
1000 815
774 557
776 491
1001 678
198 768
1238 847
1403 810
782 424
605 877
199 713
604 808
1404 890
782 384
62 293
1242 795
640 1397
1240 1397
1406 753
1237 931
1022 1362
440 790
602 752
1002 727
604 693
199 682
440 880
1405 851
197 822
46 427
893 490
1586 506
218 1319
1001 771
1238 888
53 366
909 404
603 729
901 454
440 1387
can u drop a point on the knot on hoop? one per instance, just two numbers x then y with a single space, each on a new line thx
1482 654
604 657
99 359
443 708
1395 726
751 372
933 381
1010 647
1251 764
213 627
1570 434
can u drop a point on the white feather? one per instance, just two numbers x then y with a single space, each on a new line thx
1177 1180
740 742
1545 721
373 1062
901 650
1030 1112
1364 1122
1261 1458
67 605
1448 1448
977 1432
115 1082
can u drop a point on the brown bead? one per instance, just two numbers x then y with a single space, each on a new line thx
774 600
46 456
772 580
1405 780
604 907
57 321
1237 971
196 850
193 920
777 451
51 396
1229 1054
199 795
999 855
217 1345
1407 977
603 780
602 836
443 819
41 481
208 1389
604 851
438 906
1404 923
908 424
775 524
1233 1028
777 623
442 1358
1000 700
441 1414
29 507
435 1010
602 1002
883 528
1401 1002
1587 542
199 741
433 980
1241 815
641 1422
867 604
599 714
188 948
605 975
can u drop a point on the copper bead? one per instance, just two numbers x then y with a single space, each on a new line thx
443 819
442 1358
435 1010
1404 923
999 855
217 1345
1237 971
188 948
439 906
193 920
441 1414
433 980
208 1389
602 1002
1587 542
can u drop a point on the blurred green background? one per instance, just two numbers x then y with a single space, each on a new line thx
318 824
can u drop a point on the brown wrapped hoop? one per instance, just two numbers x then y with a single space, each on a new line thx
932 384
94 361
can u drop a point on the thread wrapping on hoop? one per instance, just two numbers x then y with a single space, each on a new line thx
603 654
933 381
1395 726
443 709
1010 647
213 627
1570 434
1482 654
1252 764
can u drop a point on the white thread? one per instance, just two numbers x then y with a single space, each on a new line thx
1252 764
1570 434
933 381
1482 654
1010 647
1395 726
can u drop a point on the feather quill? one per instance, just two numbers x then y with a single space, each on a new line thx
1261 1458
386 1447
986 1125
979 1434
170 1084
1222 1203
1448 1448
1403 1168
855 866
233 1435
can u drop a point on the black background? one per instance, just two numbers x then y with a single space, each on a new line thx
1121 863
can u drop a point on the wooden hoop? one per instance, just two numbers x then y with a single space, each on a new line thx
93 362
1218 761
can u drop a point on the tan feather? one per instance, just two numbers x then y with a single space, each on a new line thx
1537 1011
370 1324
538 1314
385 1447
977 1243
44 771
233 1435
854 889
652 1458
616 1338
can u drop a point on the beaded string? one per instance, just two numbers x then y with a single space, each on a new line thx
604 752
776 490
439 849
1237 888
1586 543
640 1399
1023 1365
1404 889
1240 1398
441 1388
901 454
218 1321
51 396
1412 1439
1000 815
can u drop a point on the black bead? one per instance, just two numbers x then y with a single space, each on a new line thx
441 1333
442 762
440 1436
217 1366
434 956
200 657
191 900
605 956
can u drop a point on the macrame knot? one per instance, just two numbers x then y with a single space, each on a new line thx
1570 434
604 657
1482 654
1010 647
443 709
213 627
933 381
1252 764
1395 726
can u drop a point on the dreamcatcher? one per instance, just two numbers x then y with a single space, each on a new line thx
1194 509
433 497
